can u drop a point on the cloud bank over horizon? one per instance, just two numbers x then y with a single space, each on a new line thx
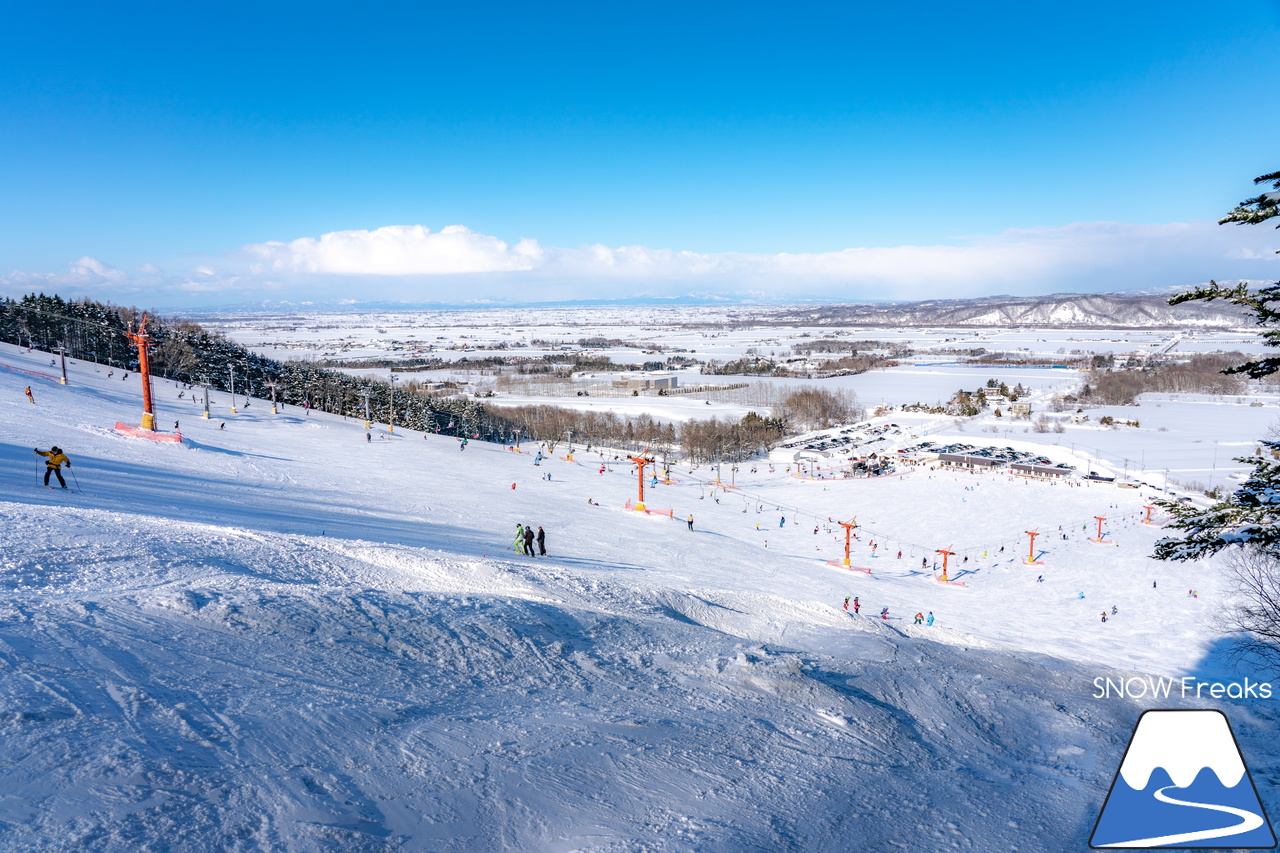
412 263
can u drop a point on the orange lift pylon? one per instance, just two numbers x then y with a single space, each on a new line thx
1147 520
1101 518
1031 554
945 553
848 532
640 461
142 341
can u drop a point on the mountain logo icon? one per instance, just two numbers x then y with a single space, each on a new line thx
1183 784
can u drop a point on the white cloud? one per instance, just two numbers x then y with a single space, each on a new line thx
82 276
395 250
455 264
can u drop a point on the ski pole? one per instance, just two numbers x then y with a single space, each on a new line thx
75 478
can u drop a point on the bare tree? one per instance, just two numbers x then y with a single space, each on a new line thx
1254 578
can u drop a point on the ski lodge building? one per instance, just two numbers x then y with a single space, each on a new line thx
966 462
1042 472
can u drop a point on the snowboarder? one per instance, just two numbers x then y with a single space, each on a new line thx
1153 584
919 618
528 541
857 605
1104 616
368 437
30 397
175 426
518 545
222 425
899 555
1081 595
53 462
782 521
1114 610
1040 579
929 619
690 520
542 542
884 614
846 603
463 445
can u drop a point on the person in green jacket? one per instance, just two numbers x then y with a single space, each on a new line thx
54 459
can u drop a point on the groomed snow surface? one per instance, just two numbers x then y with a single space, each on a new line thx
281 636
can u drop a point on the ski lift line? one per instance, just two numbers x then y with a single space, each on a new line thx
887 539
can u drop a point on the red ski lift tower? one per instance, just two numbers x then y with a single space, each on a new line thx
1100 519
945 553
142 341
640 461
1031 554
848 532
147 429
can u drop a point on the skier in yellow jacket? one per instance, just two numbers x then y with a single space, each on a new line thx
54 460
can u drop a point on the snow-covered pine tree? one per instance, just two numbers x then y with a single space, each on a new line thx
1251 516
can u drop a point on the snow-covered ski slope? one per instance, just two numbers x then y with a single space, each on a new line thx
281 636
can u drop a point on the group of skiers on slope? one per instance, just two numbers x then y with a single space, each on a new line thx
525 539
920 618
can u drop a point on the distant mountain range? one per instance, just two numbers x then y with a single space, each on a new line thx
1144 308
1075 310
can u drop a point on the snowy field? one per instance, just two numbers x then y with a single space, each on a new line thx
708 332
280 636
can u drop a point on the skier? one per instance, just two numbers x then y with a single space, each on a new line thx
1153 584
929 619
924 562
899 555
542 542
690 520
1114 610
463 446
30 397
175 426
528 541
369 438
846 603
518 545
53 462
782 521
1104 616
857 605
884 614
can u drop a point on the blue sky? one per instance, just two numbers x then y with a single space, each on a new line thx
200 153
